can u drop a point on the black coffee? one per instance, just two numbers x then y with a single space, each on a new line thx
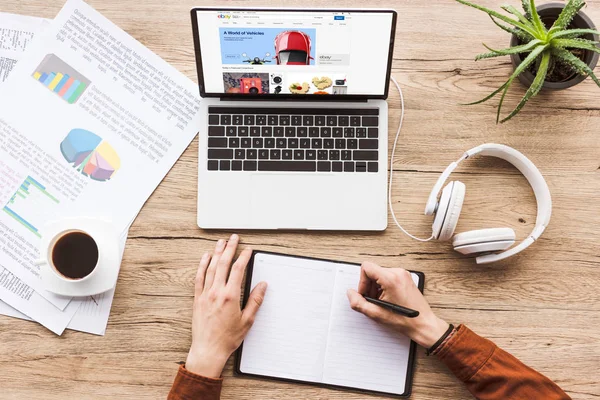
75 255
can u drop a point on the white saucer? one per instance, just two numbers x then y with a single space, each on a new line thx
104 276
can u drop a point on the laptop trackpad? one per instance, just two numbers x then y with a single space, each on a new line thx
290 201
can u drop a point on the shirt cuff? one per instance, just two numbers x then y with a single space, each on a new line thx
188 385
465 353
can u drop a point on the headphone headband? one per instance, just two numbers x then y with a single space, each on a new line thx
531 173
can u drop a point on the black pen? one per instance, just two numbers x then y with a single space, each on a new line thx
395 308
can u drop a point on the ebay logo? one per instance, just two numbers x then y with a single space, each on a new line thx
224 16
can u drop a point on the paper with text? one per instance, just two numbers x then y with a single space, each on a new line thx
90 123
305 330
21 297
16 33
90 315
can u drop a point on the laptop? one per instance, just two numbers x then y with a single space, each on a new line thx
293 130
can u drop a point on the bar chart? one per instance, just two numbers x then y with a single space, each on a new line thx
31 205
61 78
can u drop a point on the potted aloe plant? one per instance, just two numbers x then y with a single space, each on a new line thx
553 46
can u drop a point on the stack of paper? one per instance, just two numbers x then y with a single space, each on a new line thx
90 123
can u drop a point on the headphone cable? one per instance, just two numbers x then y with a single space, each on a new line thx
392 165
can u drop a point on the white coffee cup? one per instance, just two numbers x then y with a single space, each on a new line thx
73 255
59 267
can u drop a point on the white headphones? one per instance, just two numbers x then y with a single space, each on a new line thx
447 209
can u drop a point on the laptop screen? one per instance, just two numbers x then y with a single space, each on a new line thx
291 53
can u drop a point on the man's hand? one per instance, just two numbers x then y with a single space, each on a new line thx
395 285
218 323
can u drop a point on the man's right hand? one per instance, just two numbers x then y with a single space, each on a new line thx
395 285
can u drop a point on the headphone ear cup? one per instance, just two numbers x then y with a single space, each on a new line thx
484 240
448 211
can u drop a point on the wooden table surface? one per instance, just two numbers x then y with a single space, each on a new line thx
543 305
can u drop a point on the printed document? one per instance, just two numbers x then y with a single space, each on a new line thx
21 297
91 313
16 32
90 123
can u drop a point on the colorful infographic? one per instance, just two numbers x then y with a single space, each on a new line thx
61 78
30 204
90 154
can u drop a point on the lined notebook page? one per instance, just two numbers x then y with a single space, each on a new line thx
362 353
289 335
305 330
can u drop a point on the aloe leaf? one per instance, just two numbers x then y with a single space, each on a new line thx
573 33
486 98
516 13
579 66
535 17
501 17
500 103
552 65
528 60
526 7
524 36
566 16
516 49
535 87
522 67
484 56
577 44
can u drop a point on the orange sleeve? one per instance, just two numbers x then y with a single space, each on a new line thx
490 373
189 386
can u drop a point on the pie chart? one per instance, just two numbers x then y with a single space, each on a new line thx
90 154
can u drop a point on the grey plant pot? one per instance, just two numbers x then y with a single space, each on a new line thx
581 21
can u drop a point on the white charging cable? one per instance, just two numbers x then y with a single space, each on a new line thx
392 166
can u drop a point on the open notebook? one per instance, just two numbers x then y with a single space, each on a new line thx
306 331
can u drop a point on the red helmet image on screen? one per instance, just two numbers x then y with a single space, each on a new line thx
292 48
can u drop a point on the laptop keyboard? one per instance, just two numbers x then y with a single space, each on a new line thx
299 140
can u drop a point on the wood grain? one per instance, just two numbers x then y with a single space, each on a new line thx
543 305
